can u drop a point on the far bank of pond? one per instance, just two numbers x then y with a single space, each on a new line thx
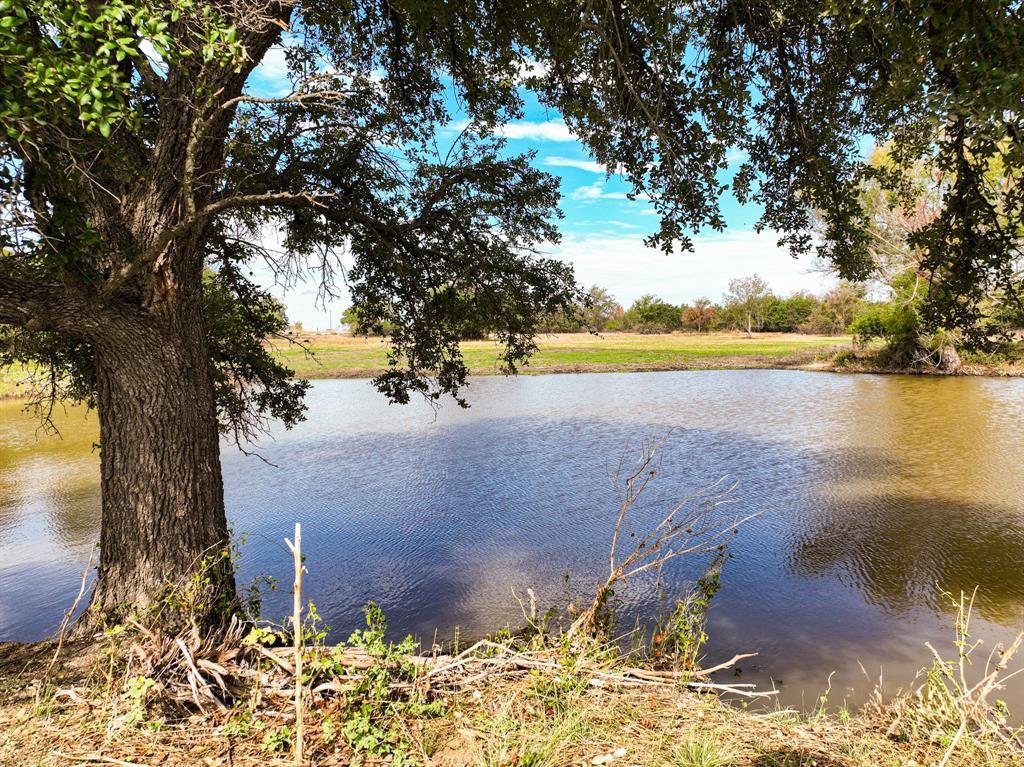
877 493
345 356
336 355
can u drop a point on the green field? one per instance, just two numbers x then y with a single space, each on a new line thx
342 356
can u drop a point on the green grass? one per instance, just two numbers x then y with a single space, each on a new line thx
703 751
337 356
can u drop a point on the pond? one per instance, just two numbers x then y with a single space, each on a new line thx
877 495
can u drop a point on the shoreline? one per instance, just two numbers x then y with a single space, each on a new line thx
800 364
818 358
510 703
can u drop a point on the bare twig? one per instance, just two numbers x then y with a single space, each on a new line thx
71 611
685 527
296 549
95 758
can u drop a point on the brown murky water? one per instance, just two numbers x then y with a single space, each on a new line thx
879 494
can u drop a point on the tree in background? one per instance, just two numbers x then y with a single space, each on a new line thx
916 288
788 315
745 301
649 314
598 309
837 309
699 315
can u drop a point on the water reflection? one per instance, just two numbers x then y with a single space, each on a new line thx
929 502
930 549
878 492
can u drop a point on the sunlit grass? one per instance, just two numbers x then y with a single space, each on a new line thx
342 355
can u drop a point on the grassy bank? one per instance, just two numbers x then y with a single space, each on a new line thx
343 356
136 698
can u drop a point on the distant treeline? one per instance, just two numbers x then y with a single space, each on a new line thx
749 305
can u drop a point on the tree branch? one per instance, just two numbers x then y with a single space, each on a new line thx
41 306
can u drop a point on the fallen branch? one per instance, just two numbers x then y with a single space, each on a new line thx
67 616
96 758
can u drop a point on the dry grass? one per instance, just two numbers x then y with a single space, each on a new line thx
497 705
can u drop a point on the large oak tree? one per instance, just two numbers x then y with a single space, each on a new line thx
142 176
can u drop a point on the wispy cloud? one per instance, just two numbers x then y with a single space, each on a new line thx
735 156
270 78
569 162
542 130
623 264
596 191
548 130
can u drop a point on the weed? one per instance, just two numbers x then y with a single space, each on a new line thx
136 691
43 703
559 692
238 726
703 751
373 716
844 357
277 739
950 711
678 640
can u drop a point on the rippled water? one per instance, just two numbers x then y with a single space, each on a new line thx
878 493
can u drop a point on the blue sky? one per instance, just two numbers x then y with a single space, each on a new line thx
603 231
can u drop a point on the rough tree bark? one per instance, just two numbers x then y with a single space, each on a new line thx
163 501
161 484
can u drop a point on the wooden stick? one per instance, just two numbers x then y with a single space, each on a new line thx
69 613
296 549
95 758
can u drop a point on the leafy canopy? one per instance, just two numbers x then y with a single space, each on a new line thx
135 156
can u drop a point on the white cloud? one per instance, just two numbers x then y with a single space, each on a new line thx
532 68
544 130
624 265
548 130
735 156
569 162
271 75
596 191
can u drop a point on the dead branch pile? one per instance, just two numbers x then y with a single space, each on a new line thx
199 676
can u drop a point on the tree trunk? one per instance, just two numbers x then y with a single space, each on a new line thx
162 490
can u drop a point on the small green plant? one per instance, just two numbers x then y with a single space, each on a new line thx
678 640
42 705
371 721
277 739
844 357
239 725
703 751
136 691
329 730
267 636
252 600
559 692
